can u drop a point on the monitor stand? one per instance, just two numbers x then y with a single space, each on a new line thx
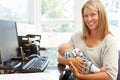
22 53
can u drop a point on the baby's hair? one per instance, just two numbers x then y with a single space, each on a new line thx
64 47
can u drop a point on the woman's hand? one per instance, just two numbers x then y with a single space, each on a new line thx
74 69
79 64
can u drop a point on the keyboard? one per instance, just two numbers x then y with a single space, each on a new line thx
36 65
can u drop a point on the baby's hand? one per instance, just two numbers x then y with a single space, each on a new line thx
78 53
103 69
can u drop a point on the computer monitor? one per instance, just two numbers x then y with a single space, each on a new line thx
8 40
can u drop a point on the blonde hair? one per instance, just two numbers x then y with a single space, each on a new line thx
102 28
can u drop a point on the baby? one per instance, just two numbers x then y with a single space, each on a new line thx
66 50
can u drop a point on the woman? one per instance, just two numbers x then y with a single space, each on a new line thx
97 42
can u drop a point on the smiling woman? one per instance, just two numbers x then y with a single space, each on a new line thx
96 42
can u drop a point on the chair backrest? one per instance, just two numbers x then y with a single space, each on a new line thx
118 77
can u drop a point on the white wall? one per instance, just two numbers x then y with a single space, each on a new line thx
24 29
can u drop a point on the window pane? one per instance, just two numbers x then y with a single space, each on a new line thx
57 28
112 6
113 10
14 10
57 9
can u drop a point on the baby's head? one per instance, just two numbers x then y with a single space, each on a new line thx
63 48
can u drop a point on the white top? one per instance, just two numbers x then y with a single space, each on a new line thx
104 54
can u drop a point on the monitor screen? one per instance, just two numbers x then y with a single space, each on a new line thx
8 40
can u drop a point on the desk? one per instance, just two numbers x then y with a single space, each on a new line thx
51 73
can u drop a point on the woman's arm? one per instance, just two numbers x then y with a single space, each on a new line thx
79 63
62 60
95 76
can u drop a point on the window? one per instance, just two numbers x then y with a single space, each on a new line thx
57 15
113 10
16 10
56 20
52 17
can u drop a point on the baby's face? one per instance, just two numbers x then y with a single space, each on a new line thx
67 48
64 48
61 52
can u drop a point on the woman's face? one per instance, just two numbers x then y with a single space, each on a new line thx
91 18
